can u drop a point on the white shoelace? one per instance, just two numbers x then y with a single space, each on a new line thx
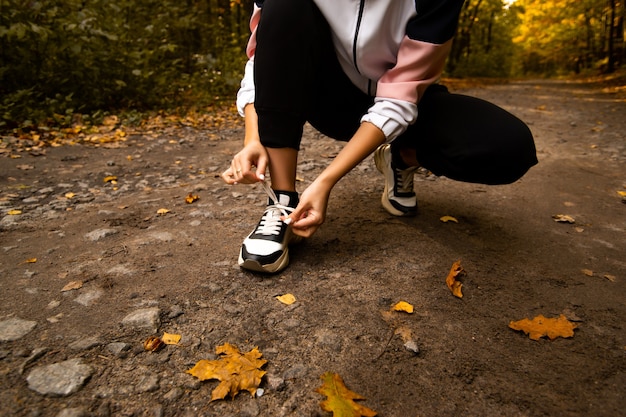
271 223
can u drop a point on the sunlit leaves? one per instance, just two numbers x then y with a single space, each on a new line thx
453 279
235 371
541 326
340 400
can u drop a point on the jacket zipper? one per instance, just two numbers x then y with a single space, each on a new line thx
356 35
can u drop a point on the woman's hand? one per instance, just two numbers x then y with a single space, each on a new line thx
311 211
248 166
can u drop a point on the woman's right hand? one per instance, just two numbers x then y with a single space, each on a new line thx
248 165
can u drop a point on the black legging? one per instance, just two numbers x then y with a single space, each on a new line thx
298 79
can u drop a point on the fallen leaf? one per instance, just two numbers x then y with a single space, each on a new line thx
14 212
541 326
171 339
153 343
403 306
162 211
25 167
287 299
452 281
587 272
69 195
72 285
563 218
236 372
110 178
610 277
191 198
30 261
447 219
340 400
622 194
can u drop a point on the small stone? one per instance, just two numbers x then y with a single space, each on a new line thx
175 311
118 348
145 318
59 379
99 234
72 412
412 346
148 382
173 395
89 297
274 382
85 343
15 328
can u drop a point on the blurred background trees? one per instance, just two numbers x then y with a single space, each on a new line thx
59 58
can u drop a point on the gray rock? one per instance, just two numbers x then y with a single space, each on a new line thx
89 297
173 394
148 382
145 318
85 343
72 412
15 328
59 379
118 348
99 234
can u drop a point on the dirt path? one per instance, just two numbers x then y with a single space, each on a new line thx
178 271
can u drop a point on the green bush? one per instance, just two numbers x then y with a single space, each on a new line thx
63 57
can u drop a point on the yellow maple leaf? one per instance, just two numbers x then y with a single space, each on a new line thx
14 212
403 306
340 400
111 178
162 211
452 280
541 326
236 372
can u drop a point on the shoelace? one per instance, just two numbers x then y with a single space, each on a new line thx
271 223
404 178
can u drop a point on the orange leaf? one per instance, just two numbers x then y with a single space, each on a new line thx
452 280
236 372
191 198
541 326
340 400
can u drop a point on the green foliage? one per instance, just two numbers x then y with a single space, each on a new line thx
73 56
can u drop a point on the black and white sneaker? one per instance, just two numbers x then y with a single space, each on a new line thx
266 249
398 196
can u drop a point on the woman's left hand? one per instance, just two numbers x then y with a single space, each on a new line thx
310 213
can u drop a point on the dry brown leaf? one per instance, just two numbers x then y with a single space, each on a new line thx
235 371
162 211
340 400
30 261
563 218
587 272
610 277
153 344
72 285
541 326
111 179
452 281
14 212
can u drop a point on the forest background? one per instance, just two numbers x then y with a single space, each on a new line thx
68 62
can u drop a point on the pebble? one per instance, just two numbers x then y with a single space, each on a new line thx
59 379
89 297
118 348
145 318
98 234
85 343
72 412
15 328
